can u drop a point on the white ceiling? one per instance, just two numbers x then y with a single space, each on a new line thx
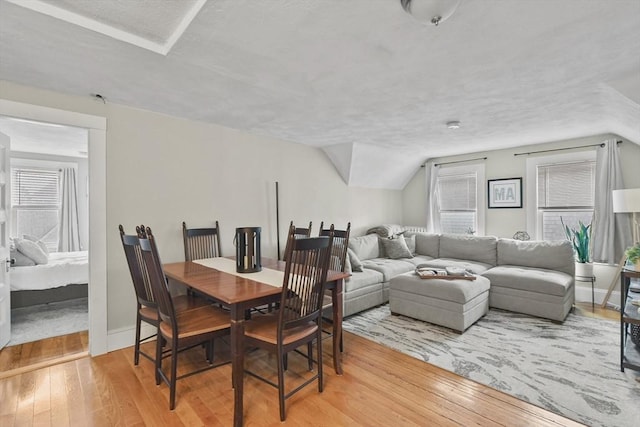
45 138
359 78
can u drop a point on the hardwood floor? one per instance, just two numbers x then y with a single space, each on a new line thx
380 387
21 357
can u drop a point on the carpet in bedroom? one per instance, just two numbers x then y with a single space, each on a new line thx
48 320
572 369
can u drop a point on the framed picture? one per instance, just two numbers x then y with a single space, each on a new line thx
505 193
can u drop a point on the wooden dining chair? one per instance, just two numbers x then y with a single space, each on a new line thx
298 233
297 321
200 243
180 330
146 307
338 262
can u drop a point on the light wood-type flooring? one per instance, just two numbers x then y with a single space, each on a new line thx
380 387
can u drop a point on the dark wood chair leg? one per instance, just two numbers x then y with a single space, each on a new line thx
310 355
136 351
281 369
159 346
174 371
320 378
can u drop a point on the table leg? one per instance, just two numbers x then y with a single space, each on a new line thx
237 363
336 296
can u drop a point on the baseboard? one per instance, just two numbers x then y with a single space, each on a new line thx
125 337
583 294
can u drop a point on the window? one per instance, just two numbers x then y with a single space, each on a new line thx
459 197
35 204
564 192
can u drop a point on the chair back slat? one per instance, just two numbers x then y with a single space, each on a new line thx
200 243
157 279
304 278
137 268
298 233
340 246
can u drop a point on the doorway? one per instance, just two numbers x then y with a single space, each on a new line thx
49 287
96 129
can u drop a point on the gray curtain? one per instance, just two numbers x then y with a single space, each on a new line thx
611 233
69 236
433 206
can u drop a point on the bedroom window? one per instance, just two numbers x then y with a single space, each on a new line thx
564 190
35 204
459 198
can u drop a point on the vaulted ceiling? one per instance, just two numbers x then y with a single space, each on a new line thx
361 79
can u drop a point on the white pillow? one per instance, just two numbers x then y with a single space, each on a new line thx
40 243
32 250
20 260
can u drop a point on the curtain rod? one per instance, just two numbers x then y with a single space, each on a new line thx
602 144
457 161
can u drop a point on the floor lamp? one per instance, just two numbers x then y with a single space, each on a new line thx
625 201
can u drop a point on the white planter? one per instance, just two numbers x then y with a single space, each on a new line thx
584 269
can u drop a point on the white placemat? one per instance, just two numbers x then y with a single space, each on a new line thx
226 265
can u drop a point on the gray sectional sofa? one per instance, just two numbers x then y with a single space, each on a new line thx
531 277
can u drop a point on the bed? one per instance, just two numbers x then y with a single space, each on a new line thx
65 276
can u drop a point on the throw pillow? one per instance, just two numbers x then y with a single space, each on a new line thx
20 260
32 250
396 248
40 243
356 264
411 244
347 264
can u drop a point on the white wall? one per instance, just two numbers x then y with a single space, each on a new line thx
503 164
163 170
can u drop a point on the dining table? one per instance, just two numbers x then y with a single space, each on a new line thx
240 293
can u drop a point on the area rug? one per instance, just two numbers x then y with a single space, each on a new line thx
48 320
572 369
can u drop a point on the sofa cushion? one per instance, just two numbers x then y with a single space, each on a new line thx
396 248
531 279
472 248
551 255
411 244
365 247
427 244
362 279
419 259
389 268
356 264
472 266
386 230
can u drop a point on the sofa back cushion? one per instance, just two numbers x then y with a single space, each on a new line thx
365 247
472 248
427 244
551 255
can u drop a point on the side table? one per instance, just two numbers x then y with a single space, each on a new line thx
629 352
591 279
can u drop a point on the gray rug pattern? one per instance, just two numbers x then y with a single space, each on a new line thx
572 369
48 320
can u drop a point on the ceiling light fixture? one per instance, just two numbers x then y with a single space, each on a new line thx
453 124
433 11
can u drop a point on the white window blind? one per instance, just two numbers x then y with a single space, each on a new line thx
34 187
567 185
458 203
566 194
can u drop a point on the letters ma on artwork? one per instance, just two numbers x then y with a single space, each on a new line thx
505 193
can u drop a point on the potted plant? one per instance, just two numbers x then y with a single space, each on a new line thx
633 255
580 239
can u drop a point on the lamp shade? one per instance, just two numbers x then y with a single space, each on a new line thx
625 201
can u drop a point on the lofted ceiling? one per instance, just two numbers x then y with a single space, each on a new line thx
359 79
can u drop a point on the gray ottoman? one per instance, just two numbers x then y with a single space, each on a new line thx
456 304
